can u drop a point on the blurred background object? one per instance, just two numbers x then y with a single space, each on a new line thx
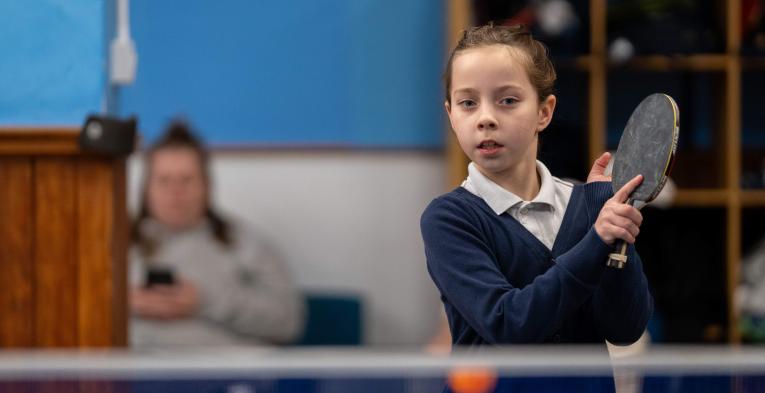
197 277
684 26
750 295
561 24
753 27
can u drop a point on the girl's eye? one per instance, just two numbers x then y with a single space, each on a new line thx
508 101
466 103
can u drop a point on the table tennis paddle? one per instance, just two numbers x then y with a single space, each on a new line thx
647 148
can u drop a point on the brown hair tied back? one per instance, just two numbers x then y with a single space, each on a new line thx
537 62
177 135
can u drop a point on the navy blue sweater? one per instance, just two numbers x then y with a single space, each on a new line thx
501 285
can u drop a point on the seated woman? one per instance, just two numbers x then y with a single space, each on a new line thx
197 278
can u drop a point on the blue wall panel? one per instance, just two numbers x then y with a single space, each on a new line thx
337 72
53 68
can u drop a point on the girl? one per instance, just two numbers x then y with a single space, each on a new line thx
518 255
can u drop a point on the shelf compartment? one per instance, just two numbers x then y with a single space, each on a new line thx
689 283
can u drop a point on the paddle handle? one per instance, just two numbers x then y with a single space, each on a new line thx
618 259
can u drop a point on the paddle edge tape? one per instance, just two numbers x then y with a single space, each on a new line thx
675 135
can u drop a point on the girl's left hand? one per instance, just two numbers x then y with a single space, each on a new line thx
618 220
597 173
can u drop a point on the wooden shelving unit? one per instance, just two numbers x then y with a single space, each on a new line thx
661 63
728 195
701 198
460 16
752 198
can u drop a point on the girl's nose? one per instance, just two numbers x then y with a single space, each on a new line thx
487 123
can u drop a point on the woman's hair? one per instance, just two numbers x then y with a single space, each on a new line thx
537 63
177 135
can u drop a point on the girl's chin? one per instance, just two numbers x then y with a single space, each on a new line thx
492 166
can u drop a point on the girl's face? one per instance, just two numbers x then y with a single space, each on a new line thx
177 190
495 110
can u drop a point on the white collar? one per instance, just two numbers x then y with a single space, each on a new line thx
501 200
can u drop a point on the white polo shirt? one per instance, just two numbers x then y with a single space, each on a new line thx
541 216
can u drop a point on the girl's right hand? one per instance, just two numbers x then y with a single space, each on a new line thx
618 220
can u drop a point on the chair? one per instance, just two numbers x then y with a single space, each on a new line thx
333 319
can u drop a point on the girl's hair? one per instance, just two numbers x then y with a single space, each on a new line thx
177 135
537 63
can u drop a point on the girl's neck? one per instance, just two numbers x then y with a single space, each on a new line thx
522 179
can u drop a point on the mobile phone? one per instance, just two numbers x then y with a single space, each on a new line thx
159 276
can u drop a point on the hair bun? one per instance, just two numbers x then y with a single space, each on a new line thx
178 132
178 129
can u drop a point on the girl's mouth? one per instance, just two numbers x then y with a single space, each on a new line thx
489 147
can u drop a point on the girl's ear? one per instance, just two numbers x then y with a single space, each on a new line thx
448 107
546 109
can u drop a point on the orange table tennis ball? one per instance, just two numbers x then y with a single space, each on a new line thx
472 380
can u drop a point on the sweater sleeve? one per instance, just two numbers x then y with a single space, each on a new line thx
262 302
622 304
464 268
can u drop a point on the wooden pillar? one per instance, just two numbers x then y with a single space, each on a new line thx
63 232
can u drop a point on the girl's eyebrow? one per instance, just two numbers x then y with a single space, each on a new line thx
504 88
501 89
466 90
